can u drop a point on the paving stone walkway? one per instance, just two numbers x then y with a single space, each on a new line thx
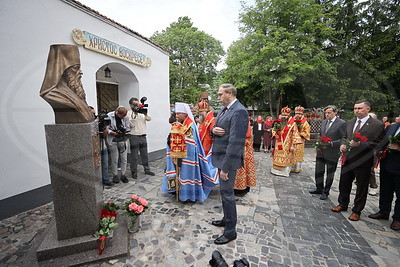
279 224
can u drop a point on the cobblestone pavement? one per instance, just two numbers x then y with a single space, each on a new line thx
279 224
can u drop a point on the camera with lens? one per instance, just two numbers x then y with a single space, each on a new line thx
104 121
142 107
122 135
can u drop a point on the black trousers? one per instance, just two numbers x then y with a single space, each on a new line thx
350 172
139 144
390 184
321 164
228 203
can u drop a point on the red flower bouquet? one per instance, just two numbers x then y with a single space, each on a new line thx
107 224
382 154
109 210
322 143
357 137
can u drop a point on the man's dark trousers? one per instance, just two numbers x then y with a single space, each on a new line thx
228 203
331 166
347 175
390 177
139 144
359 162
389 184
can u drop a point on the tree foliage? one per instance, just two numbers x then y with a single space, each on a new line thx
282 47
194 55
317 52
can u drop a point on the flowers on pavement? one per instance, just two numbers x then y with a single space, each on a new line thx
135 206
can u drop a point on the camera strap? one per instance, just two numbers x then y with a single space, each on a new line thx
118 121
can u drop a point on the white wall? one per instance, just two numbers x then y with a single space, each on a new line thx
28 29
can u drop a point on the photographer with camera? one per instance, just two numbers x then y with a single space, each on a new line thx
117 140
137 120
104 121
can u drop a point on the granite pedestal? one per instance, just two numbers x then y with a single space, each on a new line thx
75 172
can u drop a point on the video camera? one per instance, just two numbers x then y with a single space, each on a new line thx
104 121
142 107
121 134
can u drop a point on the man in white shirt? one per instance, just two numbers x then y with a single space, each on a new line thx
360 159
137 119
327 157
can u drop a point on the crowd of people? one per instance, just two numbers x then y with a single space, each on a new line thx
204 149
122 130
217 150
360 145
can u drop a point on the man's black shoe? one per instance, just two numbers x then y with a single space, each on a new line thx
315 192
149 173
323 196
379 216
240 193
134 175
224 240
124 179
219 223
241 263
109 183
115 179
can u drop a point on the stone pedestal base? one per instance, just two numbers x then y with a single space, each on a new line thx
80 250
75 172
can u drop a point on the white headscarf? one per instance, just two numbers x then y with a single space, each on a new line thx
184 108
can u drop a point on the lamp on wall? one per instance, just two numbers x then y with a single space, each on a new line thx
107 72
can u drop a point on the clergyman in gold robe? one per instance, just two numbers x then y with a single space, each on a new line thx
286 138
304 130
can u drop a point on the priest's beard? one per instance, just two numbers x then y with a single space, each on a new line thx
74 82
284 121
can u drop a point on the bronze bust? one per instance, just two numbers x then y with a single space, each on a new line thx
62 87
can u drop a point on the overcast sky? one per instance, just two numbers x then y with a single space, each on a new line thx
215 17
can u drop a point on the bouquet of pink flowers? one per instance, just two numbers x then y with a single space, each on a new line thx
135 206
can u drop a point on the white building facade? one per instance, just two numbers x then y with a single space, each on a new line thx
138 67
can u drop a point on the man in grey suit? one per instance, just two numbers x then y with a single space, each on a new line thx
328 156
359 160
227 155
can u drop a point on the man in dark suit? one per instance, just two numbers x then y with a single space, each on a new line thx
227 155
390 180
359 159
328 156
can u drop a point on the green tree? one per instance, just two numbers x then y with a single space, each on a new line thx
194 56
366 49
283 46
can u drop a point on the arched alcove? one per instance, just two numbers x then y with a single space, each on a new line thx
116 90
